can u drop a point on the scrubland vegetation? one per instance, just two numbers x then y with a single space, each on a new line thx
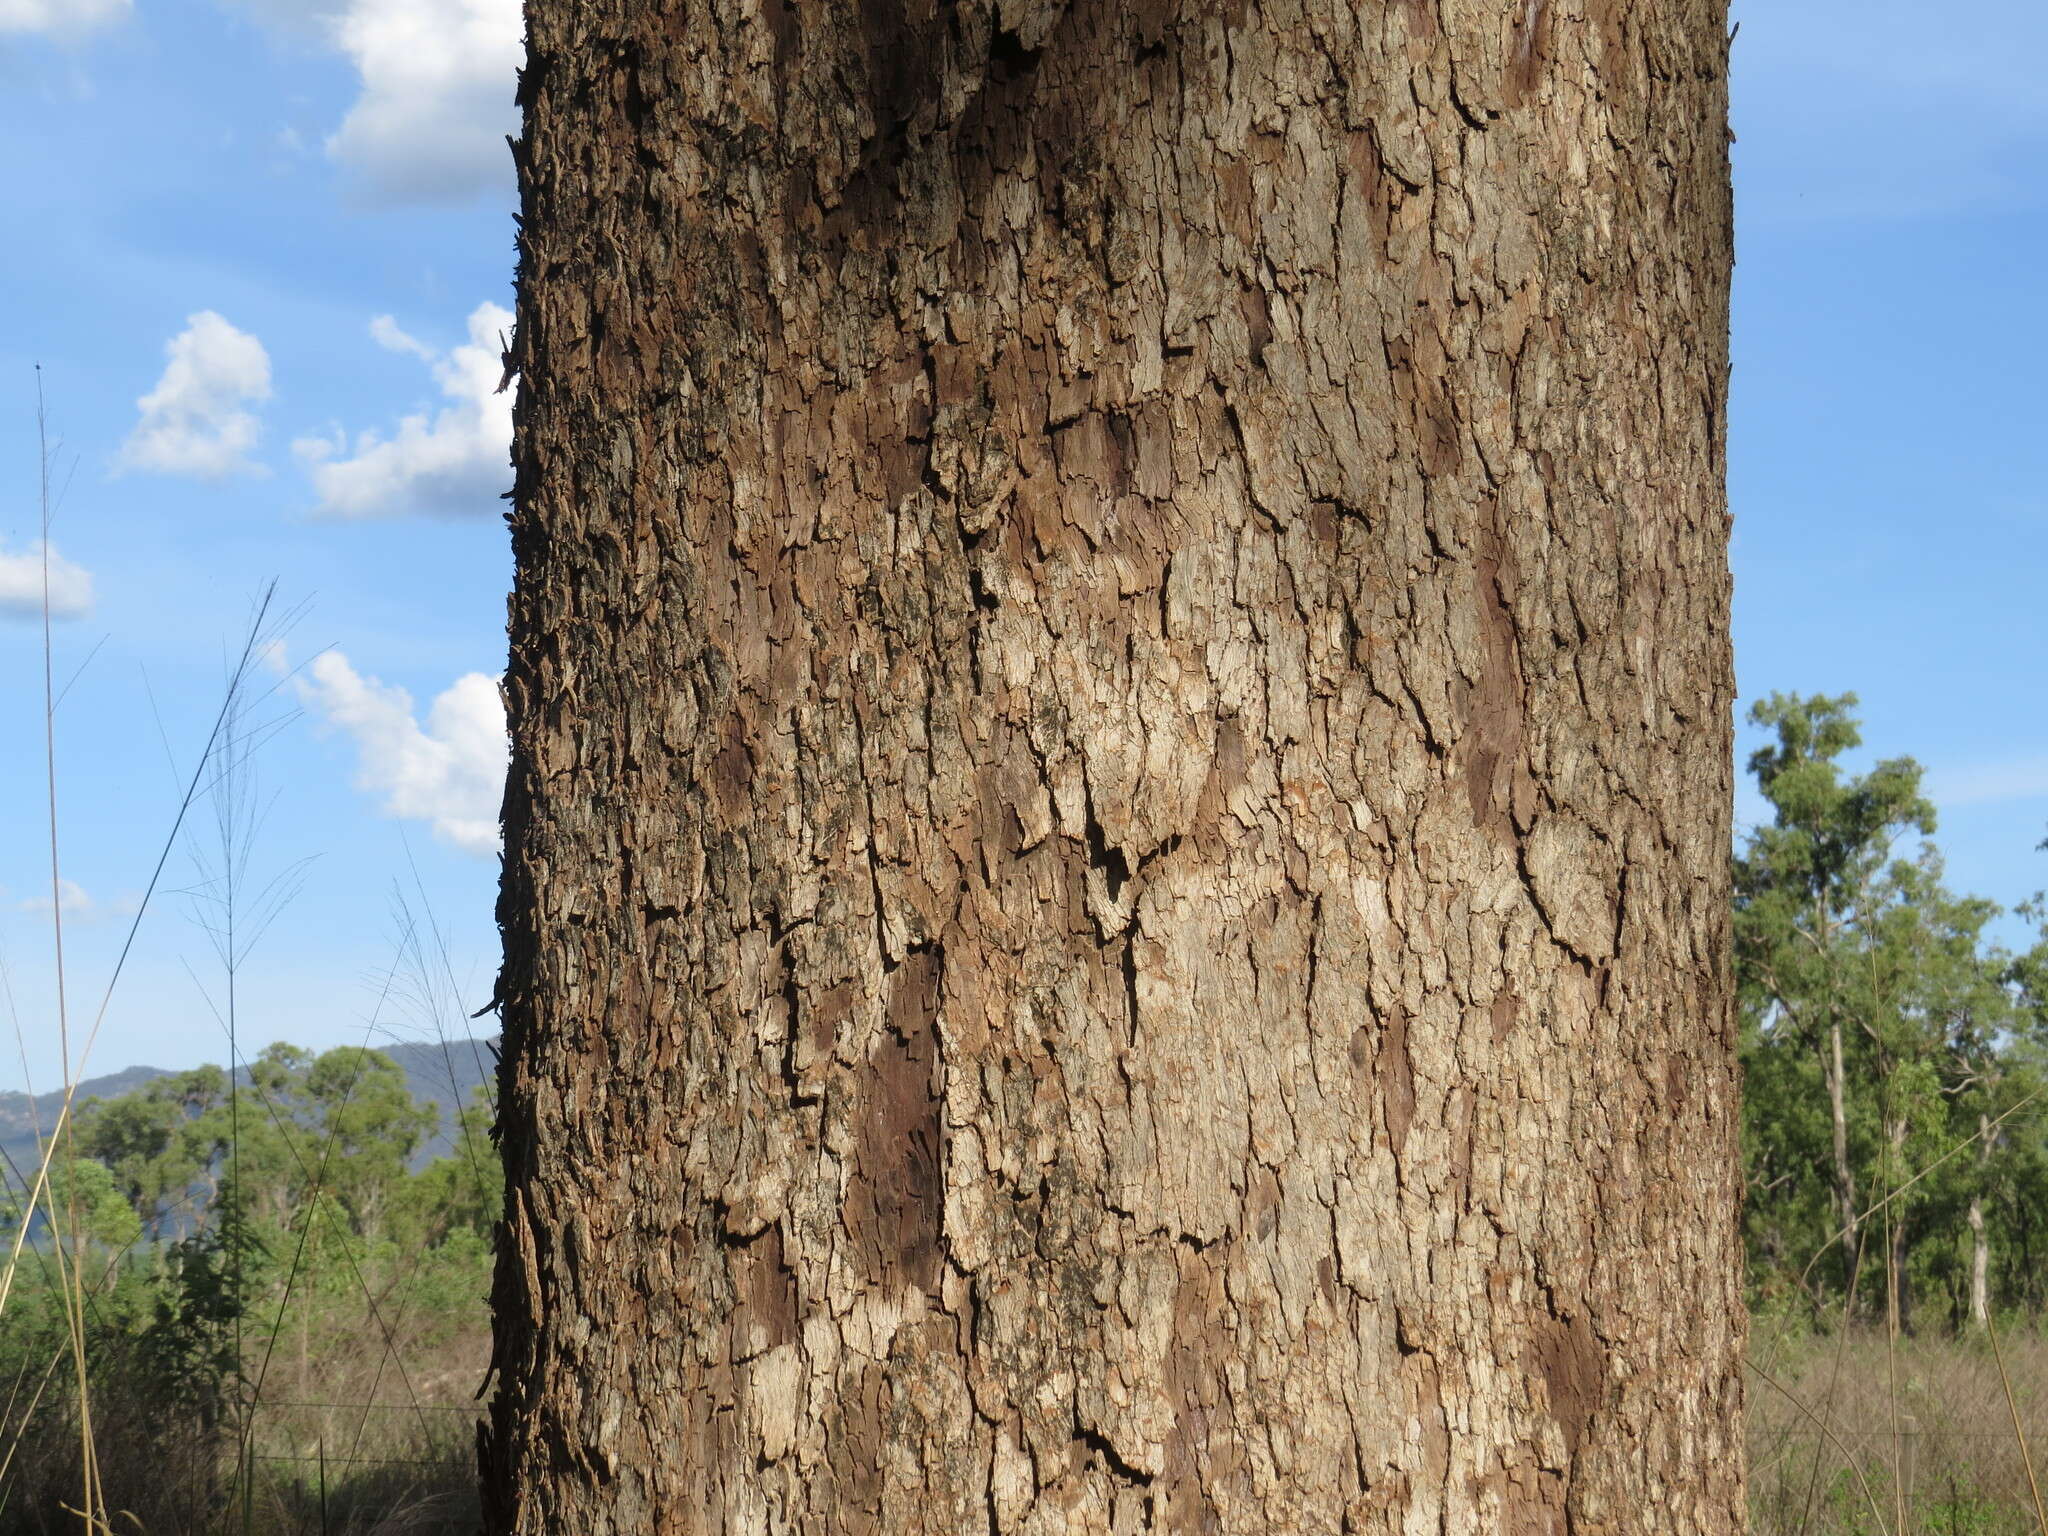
283 1322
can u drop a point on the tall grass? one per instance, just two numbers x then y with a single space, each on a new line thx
94 1434
1898 1434
1864 1431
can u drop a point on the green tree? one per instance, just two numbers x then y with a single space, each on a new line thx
1938 1008
1810 892
462 1192
1877 1021
366 1127
150 1142
84 1197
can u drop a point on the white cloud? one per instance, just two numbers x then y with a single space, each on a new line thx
452 463
385 332
438 81
59 17
21 585
193 422
449 772
79 904
72 897
2024 778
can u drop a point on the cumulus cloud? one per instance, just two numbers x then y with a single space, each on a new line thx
452 462
57 17
449 772
21 585
438 80
194 421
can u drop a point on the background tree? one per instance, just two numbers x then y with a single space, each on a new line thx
152 1142
1883 1036
1810 892
1117 848
221 1313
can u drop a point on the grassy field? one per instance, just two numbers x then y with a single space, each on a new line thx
350 1438
1913 1437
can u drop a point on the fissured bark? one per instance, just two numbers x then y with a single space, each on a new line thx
1116 874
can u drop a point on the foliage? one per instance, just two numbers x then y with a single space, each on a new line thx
1891 1052
244 1245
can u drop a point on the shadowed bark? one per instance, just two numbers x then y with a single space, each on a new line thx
1116 886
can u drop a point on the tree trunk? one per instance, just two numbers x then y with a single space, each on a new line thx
1980 1267
1847 1217
1980 1242
1898 1316
1116 887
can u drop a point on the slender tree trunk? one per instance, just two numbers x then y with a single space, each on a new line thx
1116 891
1980 1242
1847 1216
1897 1299
1980 1267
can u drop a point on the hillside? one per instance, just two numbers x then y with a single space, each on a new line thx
442 1073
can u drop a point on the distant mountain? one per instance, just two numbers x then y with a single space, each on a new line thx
445 1073
21 1116
442 1073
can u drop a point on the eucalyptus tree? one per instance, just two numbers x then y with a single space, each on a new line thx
151 1140
1116 881
1884 1033
1934 1046
1811 888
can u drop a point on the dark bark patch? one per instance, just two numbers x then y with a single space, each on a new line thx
732 770
1106 856
1258 322
1494 729
902 72
894 1202
1439 432
1566 1354
832 1010
1617 62
1151 24
1530 52
1422 17
1507 1008
1199 1453
788 30
1100 1447
1397 1078
1228 770
1008 58
1532 1501
766 1291
1462 1127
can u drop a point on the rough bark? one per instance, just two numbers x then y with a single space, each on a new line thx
1116 887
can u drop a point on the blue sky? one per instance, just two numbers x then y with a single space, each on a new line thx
263 248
